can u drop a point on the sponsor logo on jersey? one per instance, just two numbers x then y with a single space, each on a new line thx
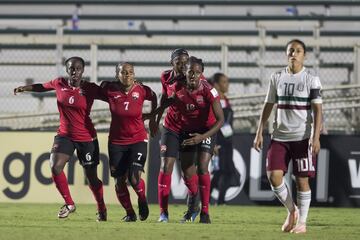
214 92
179 95
64 89
135 95
117 96
200 99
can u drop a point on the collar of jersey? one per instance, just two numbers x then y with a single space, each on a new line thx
295 74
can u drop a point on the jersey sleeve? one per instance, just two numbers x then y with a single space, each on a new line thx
271 93
163 85
102 92
213 95
50 84
315 90
96 92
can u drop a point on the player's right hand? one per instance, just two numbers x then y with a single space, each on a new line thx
18 90
258 142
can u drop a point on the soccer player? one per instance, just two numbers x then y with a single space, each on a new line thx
200 117
76 131
296 133
226 175
128 137
171 81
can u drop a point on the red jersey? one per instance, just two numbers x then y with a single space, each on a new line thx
195 107
74 109
170 85
127 126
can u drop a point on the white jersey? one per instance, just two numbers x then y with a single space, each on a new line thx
293 94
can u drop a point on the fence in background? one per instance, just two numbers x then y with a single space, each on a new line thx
247 61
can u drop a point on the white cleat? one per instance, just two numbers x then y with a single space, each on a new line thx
66 210
290 221
299 228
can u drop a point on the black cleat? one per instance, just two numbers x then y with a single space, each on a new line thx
190 216
130 218
143 210
193 203
204 218
101 216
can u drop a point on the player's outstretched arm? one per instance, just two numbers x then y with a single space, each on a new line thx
258 141
31 88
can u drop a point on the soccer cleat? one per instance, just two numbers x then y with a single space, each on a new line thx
299 228
143 210
101 216
190 216
204 218
290 220
164 217
66 210
193 202
130 218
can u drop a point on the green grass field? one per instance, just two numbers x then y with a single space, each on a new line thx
39 221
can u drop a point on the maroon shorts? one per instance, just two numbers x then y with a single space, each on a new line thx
280 154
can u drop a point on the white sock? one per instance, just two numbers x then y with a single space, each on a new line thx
303 201
284 195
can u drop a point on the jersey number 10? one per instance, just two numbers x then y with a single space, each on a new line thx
289 89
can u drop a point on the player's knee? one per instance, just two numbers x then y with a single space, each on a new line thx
302 184
167 165
203 169
134 179
56 169
120 183
275 180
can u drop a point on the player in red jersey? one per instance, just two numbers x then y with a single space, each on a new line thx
200 116
171 81
128 137
76 131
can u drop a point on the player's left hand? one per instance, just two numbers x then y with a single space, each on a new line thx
195 139
314 144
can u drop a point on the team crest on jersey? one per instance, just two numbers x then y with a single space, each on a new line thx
135 95
200 99
300 87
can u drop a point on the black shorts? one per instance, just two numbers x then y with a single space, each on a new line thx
206 145
169 144
87 152
127 157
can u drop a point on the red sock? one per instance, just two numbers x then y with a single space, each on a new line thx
98 193
192 184
123 196
140 190
204 184
63 187
164 186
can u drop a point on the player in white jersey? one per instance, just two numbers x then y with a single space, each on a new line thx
296 134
